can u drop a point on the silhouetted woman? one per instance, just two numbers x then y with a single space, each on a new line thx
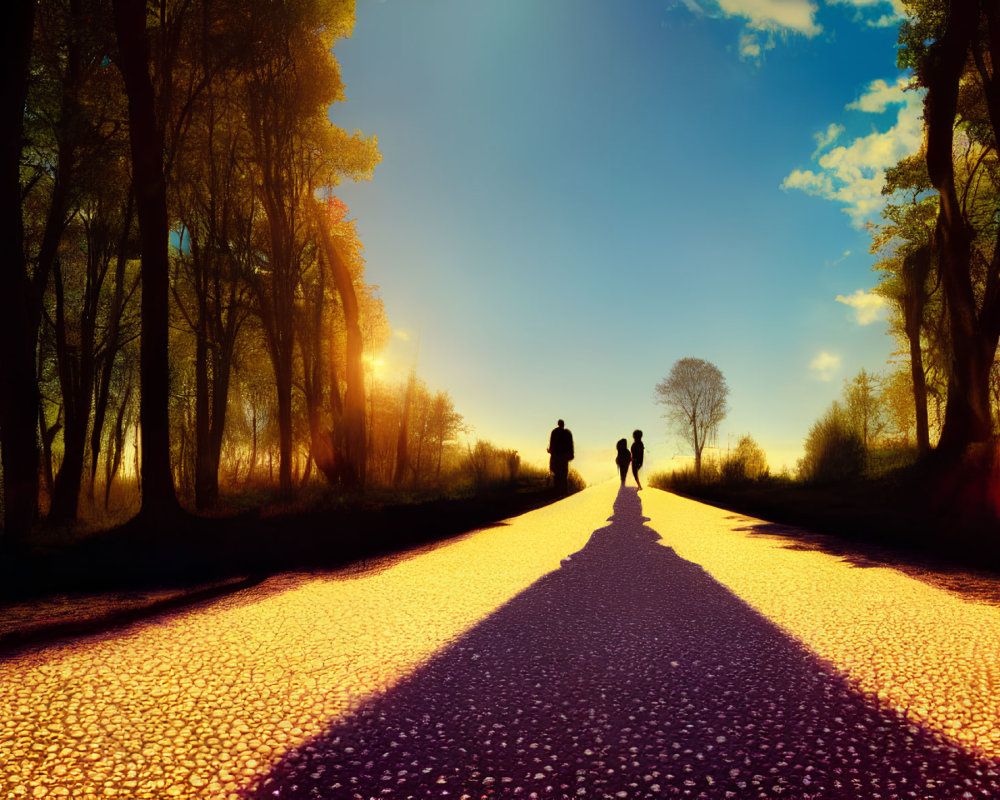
623 459
638 451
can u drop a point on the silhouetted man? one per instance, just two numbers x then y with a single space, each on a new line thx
560 454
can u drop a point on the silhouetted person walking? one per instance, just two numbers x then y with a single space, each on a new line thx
623 459
638 453
560 454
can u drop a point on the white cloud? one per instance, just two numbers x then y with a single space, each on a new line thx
825 138
876 6
825 365
865 304
885 21
809 182
399 333
798 16
768 19
854 174
750 46
765 20
879 95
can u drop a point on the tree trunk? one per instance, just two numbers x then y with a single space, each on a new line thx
75 388
106 363
314 369
919 395
697 448
967 413
283 379
355 449
116 448
253 451
20 300
402 456
916 268
206 479
48 437
159 500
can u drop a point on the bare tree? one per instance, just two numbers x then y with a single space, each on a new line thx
694 394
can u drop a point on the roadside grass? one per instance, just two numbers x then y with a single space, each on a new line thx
256 532
918 508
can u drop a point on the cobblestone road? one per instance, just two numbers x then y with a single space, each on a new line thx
669 651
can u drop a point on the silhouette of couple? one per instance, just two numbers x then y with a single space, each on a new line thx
633 457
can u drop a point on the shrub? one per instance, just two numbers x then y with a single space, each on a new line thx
746 463
686 477
490 465
834 449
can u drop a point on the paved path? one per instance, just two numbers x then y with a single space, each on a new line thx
672 650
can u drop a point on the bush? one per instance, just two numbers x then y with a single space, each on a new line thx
686 478
834 449
887 460
746 463
490 465
575 481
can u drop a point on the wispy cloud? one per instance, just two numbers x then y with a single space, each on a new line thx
867 306
880 95
399 333
853 174
798 16
766 20
825 138
825 366
890 12
842 257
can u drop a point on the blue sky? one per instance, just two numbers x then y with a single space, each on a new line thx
574 194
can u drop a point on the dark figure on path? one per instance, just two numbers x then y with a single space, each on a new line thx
623 459
638 452
560 454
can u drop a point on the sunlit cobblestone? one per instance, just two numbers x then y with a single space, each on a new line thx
932 653
210 702
199 703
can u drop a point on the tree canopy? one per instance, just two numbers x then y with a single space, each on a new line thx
695 397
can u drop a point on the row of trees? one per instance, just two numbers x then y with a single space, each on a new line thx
937 244
178 275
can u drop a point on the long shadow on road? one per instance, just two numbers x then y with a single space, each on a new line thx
626 673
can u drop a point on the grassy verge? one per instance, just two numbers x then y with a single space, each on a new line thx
110 578
950 516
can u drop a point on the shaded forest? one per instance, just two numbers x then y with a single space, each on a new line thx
184 306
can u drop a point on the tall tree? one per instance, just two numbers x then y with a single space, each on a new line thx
214 210
20 290
350 430
296 153
908 266
864 407
695 396
87 132
159 500
954 47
